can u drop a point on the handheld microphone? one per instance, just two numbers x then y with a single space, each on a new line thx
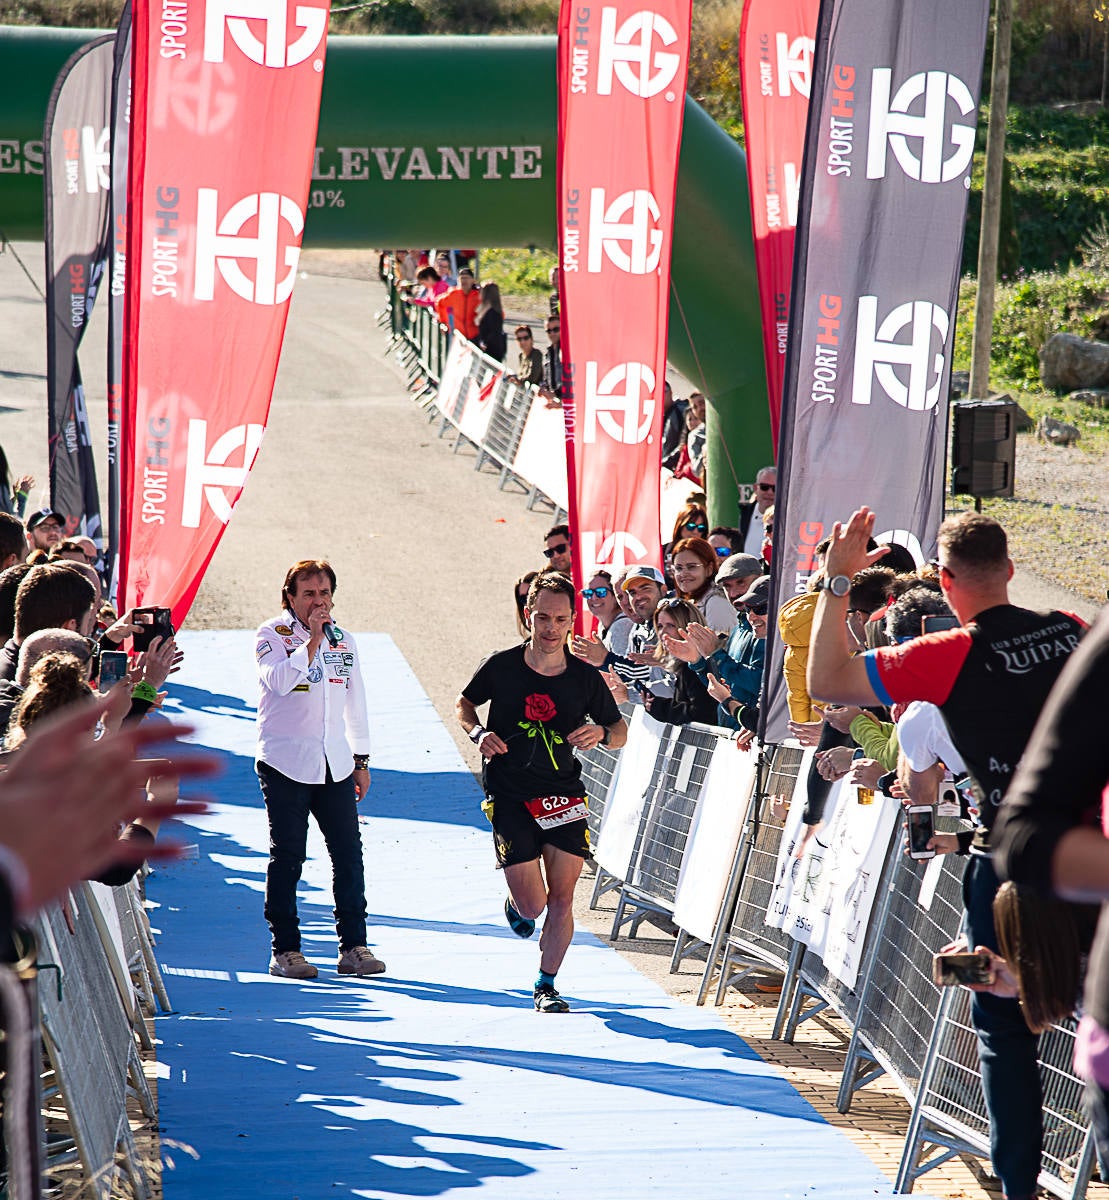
330 634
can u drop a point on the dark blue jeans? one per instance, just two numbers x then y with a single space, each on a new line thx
334 805
1007 1051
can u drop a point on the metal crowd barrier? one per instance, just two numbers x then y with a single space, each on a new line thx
651 886
901 1024
422 345
96 985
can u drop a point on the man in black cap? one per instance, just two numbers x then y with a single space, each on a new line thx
45 529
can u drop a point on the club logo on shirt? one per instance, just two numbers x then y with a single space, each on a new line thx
284 630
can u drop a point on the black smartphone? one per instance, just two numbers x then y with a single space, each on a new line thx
936 624
153 623
948 970
113 668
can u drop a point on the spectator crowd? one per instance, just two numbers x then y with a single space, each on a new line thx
80 689
922 682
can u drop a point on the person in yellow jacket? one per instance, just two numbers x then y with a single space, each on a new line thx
458 307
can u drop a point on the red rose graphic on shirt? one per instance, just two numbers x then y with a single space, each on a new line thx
539 708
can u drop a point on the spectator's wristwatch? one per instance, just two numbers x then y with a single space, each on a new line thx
839 585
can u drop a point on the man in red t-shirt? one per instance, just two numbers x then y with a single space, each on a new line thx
460 305
990 678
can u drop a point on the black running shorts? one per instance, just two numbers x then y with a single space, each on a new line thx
519 838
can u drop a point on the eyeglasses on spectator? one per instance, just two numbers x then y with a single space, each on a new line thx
697 526
561 548
599 592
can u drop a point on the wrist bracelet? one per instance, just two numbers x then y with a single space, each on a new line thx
477 733
144 691
361 762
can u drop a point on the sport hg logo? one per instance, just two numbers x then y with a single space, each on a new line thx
794 64
630 52
877 352
96 159
614 550
892 119
219 244
609 232
627 390
275 51
207 473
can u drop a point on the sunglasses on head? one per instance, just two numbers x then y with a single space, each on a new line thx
599 592
697 525
669 602
561 548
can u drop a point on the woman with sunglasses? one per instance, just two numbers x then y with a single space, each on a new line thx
690 701
601 600
694 565
692 521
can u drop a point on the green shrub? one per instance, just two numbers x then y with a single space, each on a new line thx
380 16
518 272
1027 311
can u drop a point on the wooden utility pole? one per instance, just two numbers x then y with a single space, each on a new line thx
991 202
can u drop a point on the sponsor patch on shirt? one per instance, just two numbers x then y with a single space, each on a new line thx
301 687
262 649
340 661
282 629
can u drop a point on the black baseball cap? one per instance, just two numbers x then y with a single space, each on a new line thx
44 514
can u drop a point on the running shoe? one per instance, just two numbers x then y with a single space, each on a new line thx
522 927
547 1000
291 964
359 960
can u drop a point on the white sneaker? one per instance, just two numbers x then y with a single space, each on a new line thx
359 960
292 965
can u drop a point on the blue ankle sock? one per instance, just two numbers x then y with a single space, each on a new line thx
545 978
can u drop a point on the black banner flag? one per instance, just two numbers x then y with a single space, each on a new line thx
76 182
886 175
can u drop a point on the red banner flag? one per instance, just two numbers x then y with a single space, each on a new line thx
776 42
225 106
621 94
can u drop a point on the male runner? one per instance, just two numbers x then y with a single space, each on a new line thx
543 704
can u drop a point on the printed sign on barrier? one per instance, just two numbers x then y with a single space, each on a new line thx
713 838
625 806
824 898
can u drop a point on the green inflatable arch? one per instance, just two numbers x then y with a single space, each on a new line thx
452 142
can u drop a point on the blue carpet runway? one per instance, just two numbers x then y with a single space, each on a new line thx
437 1078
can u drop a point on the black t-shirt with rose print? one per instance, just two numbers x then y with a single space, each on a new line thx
532 714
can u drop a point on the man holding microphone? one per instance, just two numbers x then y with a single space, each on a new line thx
312 697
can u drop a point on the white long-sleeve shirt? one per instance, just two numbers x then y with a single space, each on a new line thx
307 709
